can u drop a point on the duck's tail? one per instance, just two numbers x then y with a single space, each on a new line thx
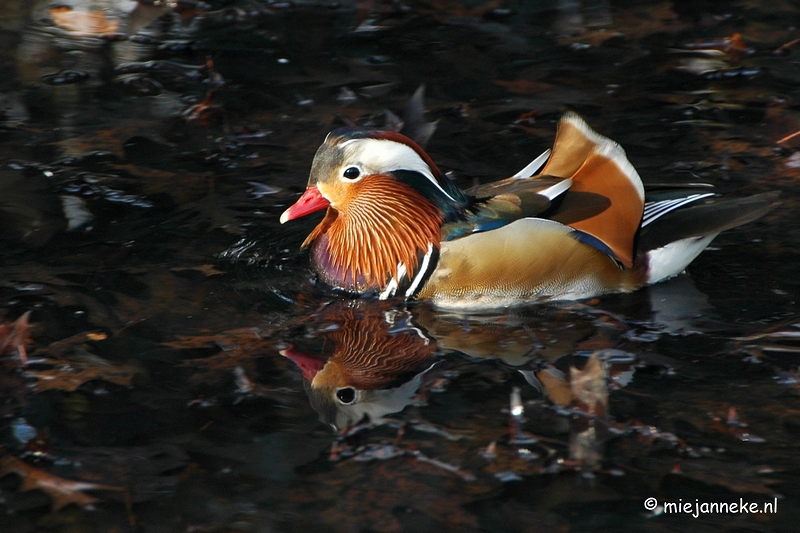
675 229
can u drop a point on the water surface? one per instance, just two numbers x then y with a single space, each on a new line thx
146 155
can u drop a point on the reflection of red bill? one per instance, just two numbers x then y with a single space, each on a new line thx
310 365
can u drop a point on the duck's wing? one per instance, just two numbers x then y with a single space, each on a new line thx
503 202
587 184
526 179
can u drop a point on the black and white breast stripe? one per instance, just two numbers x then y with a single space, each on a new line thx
409 287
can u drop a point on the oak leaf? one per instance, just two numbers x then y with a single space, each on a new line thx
62 491
83 23
14 336
70 377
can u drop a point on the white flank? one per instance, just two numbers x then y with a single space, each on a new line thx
377 156
670 260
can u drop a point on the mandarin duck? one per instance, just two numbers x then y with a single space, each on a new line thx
378 360
573 224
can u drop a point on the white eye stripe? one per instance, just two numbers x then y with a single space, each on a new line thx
375 156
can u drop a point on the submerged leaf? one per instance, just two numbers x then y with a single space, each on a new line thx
83 23
62 491
589 386
70 378
15 336
207 270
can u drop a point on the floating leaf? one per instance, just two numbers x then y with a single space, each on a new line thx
62 491
70 377
207 270
15 336
83 23
589 386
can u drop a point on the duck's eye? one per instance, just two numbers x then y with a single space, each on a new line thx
352 173
346 395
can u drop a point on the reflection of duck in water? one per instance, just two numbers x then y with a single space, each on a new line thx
375 358
378 356
517 338
378 362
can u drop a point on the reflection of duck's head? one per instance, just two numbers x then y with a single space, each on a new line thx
376 368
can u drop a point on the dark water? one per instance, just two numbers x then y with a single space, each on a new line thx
145 159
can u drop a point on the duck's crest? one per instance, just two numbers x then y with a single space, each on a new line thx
404 159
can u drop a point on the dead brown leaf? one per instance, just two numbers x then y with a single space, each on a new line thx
589 386
557 388
238 348
65 346
70 377
208 270
83 23
234 339
62 491
15 336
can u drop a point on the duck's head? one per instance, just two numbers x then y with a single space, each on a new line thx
386 202
353 161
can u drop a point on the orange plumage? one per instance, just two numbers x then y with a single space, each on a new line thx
581 227
381 224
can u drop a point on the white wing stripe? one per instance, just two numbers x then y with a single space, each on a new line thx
533 167
554 191
655 210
